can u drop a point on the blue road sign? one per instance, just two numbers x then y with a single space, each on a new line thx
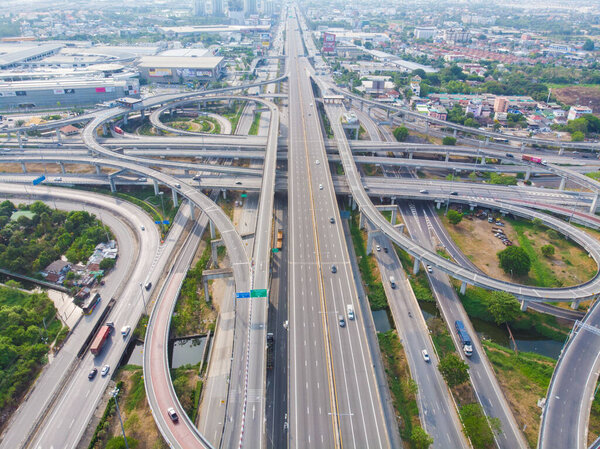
37 181
166 222
157 222
242 295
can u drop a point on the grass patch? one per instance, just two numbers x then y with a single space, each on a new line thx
185 379
418 282
255 124
524 378
402 387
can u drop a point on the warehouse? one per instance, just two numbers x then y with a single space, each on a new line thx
56 93
175 69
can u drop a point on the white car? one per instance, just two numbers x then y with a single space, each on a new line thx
350 310
57 179
425 355
105 370
317 162
320 186
378 248
125 331
429 269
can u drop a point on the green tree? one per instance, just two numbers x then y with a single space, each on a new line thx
514 260
107 264
401 133
547 250
477 426
449 140
454 217
588 45
593 123
577 136
503 307
119 443
420 439
454 370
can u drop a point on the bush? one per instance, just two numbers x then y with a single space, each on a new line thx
454 370
477 427
449 140
547 250
514 260
577 136
401 133
107 264
454 217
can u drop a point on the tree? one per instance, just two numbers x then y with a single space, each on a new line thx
454 216
107 264
514 260
588 45
454 370
420 439
577 136
477 427
503 307
449 140
401 133
547 250
119 443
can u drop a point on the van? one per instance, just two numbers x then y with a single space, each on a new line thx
392 282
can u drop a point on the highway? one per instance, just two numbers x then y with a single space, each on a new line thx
333 395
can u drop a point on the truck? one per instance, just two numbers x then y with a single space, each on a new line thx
465 340
100 339
118 130
270 343
534 159
279 239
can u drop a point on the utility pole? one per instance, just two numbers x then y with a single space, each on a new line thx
114 393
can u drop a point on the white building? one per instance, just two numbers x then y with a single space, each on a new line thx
577 111
424 32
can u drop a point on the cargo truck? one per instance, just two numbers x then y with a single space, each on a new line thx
100 339
465 340
279 239
535 159
270 342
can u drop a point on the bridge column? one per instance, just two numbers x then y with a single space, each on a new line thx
361 222
175 200
155 183
393 200
527 173
416 265
19 139
98 170
58 136
447 156
394 215
113 186
224 191
410 154
561 150
426 127
438 204
524 305
104 129
463 288
563 181
454 133
186 171
594 205
212 229
487 141
482 160
522 147
192 211
23 167
387 114
214 254
142 114
206 296
125 119
575 304
62 167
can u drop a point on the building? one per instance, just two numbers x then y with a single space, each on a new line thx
424 32
576 112
438 112
217 7
14 54
456 35
56 271
249 7
171 69
415 85
199 8
500 104
26 95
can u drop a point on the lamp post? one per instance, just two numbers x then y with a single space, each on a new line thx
162 205
114 394
143 298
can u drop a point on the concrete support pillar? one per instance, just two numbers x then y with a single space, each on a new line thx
369 243
410 155
142 114
527 173
125 119
353 204
357 133
561 151
463 288
350 200
113 186
192 211
575 304
393 200
104 129
155 183
394 216
62 167
224 191
563 182
522 147
206 296
388 114
175 200
524 305
487 140
212 229
594 205
361 223
454 133
438 205
482 160
471 207
416 266
98 170
19 139
214 254
23 167
447 156
362 105
186 172
426 127
58 136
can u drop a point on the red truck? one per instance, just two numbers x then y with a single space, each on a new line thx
535 159
100 339
118 130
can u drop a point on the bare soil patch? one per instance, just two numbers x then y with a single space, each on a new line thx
583 95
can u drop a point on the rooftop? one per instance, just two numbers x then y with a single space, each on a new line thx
183 62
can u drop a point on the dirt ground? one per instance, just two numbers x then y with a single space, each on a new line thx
585 96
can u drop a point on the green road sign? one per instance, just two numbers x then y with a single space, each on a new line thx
243 195
258 293
275 250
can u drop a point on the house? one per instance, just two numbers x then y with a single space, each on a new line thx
438 112
578 111
69 130
56 271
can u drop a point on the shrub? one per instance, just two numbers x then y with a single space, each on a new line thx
449 140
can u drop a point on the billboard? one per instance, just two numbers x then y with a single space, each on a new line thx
328 43
193 73
159 73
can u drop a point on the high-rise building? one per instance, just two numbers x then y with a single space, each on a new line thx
217 7
249 7
199 7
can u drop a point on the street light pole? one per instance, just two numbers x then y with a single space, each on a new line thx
114 393
143 298
162 205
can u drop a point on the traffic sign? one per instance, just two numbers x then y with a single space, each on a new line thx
258 293
37 181
275 250
157 222
242 295
166 222
243 195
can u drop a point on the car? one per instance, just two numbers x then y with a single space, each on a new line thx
110 324
196 178
454 193
317 162
423 191
429 269
333 269
509 155
178 186
238 183
142 179
350 310
57 179
105 370
125 331
342 321
92 373
425 355
148 285
331 220
386 249
172 414
490 219
320 186
378 248
143 227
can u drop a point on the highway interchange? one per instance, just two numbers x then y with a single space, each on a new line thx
335 393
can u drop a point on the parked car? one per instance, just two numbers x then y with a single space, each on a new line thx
378 248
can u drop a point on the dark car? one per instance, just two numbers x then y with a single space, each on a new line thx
385 249
333 269
172 414
92 373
